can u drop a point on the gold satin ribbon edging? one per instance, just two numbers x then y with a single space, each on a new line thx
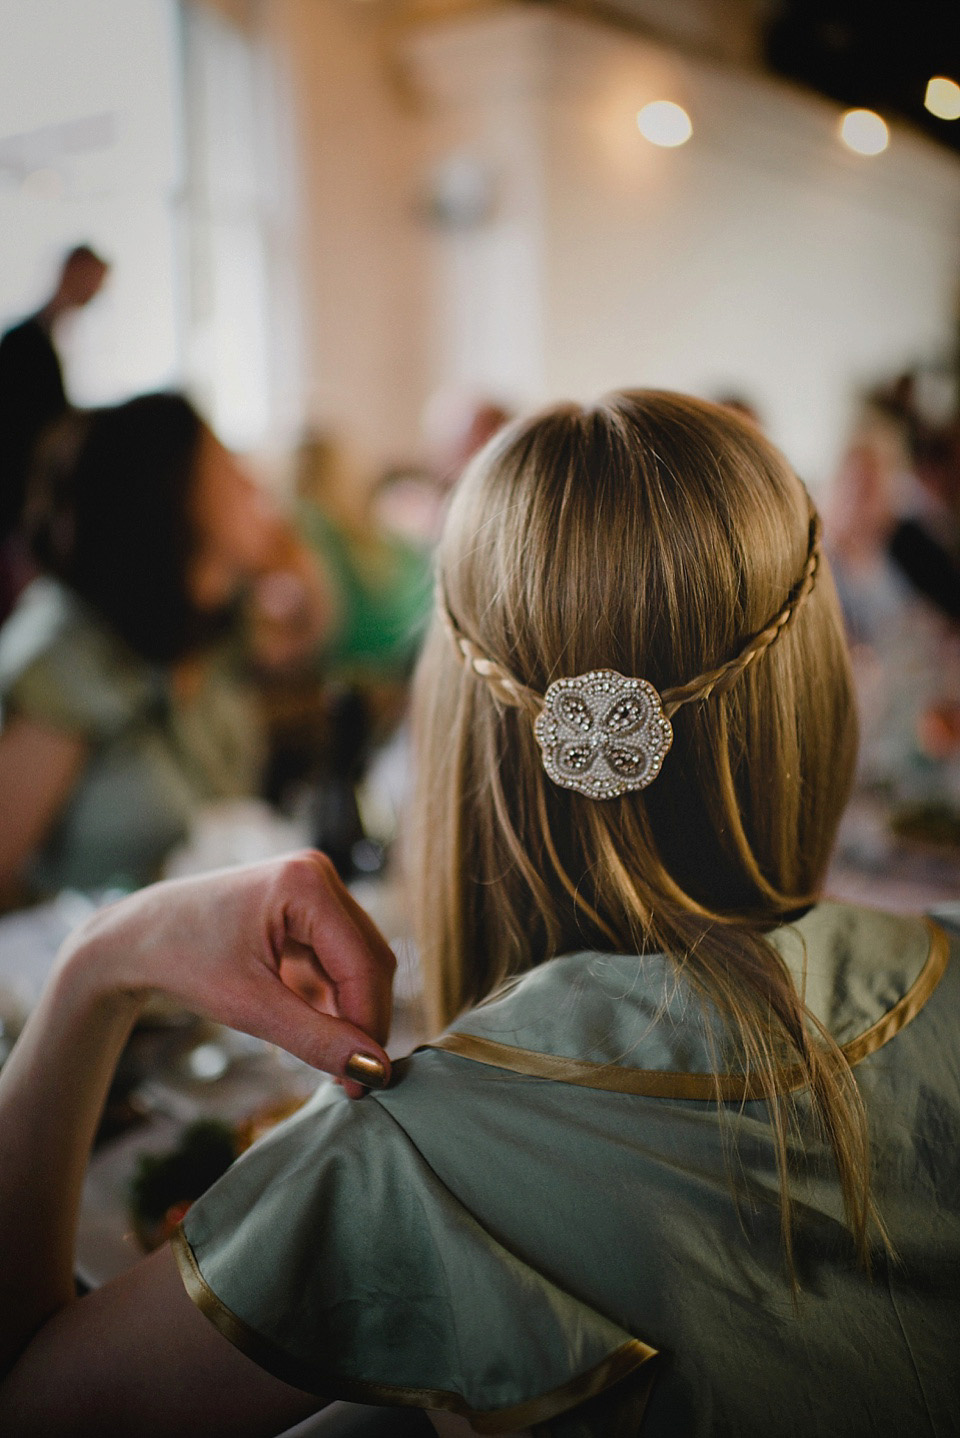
667 1083
266 1354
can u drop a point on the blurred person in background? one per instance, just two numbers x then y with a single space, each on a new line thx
373 540
350 696
893 532
411 500
462 427
925 545
379 581
922 511
872 591
739 404
32 397
457 425
122 708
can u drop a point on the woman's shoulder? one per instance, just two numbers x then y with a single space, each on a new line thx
45 611
333 1255
854 965
62 666
635 1023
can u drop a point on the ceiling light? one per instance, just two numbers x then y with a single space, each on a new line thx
864 131
664 123
943 98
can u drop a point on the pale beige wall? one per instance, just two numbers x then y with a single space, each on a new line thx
761 256
483 101
362 244
240 12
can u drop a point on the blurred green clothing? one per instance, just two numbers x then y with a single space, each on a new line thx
154 758
548 1221
383 594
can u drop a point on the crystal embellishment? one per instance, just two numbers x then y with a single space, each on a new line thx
603 734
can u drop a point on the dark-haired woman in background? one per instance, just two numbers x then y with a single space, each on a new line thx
121 713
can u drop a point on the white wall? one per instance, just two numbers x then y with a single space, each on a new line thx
242 351
761 256
89 152
159 137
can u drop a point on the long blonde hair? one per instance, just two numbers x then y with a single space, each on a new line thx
654 535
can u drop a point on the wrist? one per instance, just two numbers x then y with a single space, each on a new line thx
88 974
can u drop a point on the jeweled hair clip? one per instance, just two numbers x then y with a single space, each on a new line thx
604 734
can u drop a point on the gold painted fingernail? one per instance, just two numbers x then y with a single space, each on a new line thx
366 1070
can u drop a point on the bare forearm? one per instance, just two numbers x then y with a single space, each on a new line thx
52 1091
214 945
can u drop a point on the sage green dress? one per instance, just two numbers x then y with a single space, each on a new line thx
547 1221
154 758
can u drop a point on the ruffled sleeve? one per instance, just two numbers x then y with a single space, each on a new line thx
333 1255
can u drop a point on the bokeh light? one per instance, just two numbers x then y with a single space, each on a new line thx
864 131
943 98
664 123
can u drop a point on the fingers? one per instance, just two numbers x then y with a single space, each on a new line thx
301 973
363 921
354 956
274 1013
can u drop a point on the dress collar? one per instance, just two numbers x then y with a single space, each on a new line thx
632 1025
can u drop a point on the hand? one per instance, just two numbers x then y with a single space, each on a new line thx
218 944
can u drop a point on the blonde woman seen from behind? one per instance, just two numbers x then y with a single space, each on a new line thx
649 536
684 1159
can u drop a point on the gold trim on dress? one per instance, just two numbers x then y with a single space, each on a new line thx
628 1357
616 1366
668 1083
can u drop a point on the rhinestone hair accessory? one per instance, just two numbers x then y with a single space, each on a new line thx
603 734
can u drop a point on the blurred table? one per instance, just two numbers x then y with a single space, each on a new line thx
198 1070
